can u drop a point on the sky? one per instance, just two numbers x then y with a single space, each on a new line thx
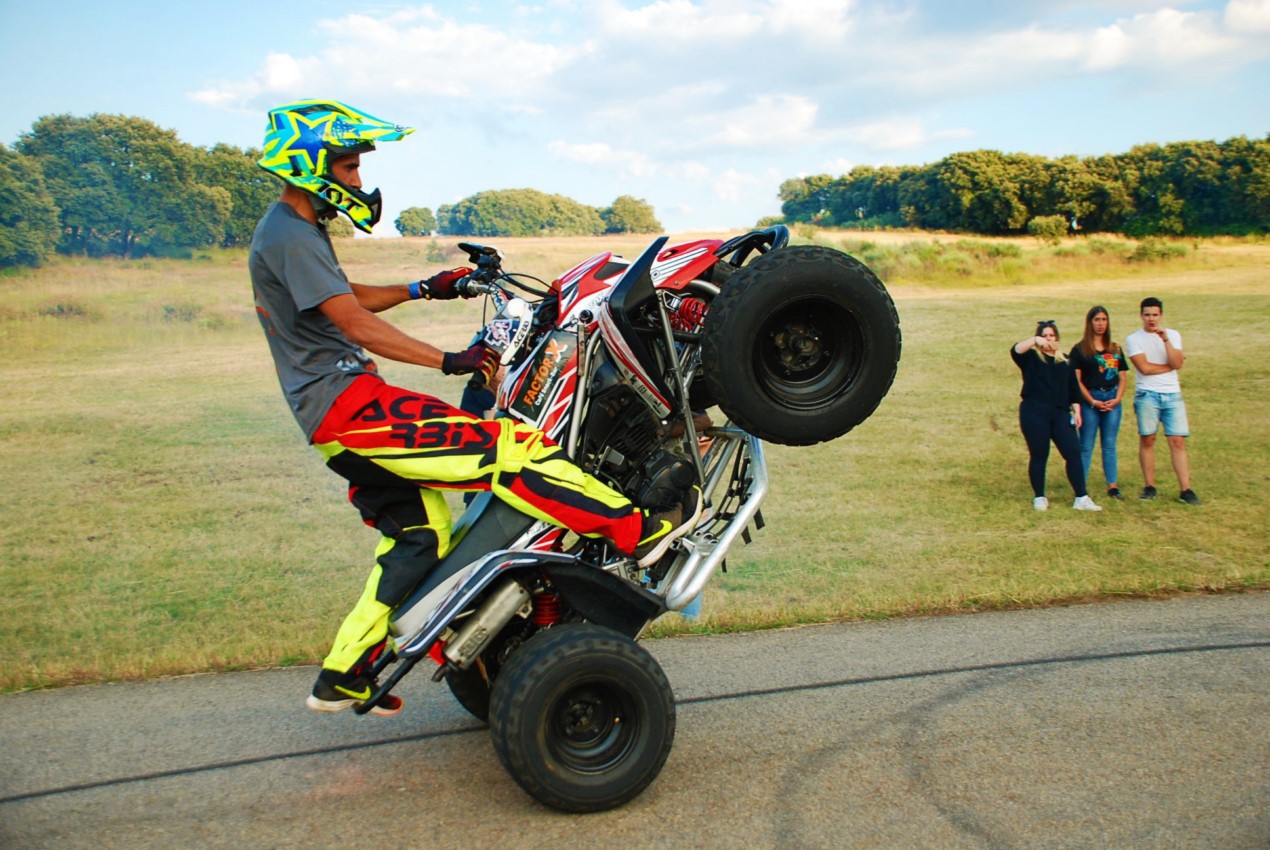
702 108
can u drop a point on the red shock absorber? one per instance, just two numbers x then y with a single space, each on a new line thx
689 314
547 608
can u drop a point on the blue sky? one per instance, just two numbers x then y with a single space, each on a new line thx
700 107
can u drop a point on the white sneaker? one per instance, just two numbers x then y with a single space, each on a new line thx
1084 503
1041 503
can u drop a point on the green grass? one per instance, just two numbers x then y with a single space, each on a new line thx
161 513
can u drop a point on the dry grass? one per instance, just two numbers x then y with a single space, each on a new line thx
163 515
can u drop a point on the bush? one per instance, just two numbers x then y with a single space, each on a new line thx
1048 228
1154 250
67 310
181 313
436 252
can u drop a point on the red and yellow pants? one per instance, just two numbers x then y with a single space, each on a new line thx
399 449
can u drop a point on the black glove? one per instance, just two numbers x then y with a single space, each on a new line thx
441 286
478 358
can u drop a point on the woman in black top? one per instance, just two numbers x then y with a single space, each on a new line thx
1050 410
1100 368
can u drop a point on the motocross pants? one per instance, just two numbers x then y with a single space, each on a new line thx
398 449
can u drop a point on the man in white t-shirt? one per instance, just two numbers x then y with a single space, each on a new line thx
1156 355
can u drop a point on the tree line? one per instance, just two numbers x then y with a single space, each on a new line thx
1182 188
528 212
118 185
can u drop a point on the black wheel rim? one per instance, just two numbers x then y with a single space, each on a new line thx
592 726
809 353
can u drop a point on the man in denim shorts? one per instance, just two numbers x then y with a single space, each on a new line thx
1156 355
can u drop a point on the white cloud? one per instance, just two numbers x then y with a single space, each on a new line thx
816 20
625 162
1251 16
733 186
838 165
429 55
897 134
678 20
1166 39
280 74
766 120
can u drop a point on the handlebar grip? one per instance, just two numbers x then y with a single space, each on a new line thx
470 288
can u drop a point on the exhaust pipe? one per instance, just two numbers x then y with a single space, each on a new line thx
504 602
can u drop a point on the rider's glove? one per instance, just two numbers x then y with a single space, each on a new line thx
439 287
478 358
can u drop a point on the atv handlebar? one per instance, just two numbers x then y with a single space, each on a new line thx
471 286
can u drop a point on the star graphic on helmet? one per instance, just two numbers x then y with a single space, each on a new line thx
308 138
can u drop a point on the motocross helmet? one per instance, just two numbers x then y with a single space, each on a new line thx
303 138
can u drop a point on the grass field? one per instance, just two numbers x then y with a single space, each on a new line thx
162 514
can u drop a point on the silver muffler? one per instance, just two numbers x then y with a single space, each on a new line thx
507 600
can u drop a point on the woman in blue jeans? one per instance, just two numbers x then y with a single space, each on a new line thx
1100 367
1049 412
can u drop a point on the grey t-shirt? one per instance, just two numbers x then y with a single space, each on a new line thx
293 270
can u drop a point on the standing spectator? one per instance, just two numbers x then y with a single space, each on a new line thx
1156 355
1050 411
1100 368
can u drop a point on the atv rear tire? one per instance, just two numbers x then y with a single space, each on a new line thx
801 345
471 690
582 717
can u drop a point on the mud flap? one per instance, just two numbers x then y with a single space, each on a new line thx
604 599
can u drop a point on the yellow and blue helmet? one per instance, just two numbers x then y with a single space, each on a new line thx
304 137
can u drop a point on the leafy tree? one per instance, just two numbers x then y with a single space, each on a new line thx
567 217
865 197
416 221
1074 190
805 198
1183 187
630 215
28 216
518 212
1247 182
1111 196
251 189
980 193
124 185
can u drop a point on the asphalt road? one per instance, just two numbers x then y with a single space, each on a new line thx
1129 725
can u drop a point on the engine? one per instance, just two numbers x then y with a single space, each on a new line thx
624 445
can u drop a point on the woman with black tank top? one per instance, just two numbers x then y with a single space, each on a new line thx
1101 368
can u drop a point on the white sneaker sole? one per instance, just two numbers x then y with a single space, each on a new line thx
333 706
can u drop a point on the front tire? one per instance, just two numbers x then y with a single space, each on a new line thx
582 717
801 345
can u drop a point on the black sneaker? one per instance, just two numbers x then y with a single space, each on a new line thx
665 527
337 691
1189 497
1114 493
1148 493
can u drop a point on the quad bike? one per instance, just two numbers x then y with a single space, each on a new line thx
534 629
